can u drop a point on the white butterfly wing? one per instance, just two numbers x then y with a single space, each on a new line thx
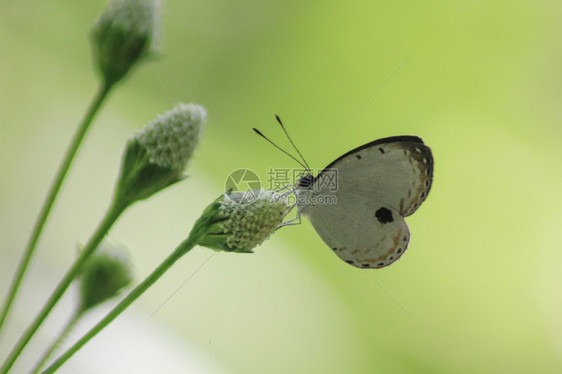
353 231
378 184
397 171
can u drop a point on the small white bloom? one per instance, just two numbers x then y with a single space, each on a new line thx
235 223
171 138
156 156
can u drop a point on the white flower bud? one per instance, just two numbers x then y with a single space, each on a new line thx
157 155
235 223
170 138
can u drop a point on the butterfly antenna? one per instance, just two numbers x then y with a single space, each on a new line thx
292 143
281 149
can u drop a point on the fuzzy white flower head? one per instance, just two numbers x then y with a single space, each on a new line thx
171 138
235 223
157 155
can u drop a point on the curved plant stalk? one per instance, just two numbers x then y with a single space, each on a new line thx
111 216
182 249
229 223
50 200
55 344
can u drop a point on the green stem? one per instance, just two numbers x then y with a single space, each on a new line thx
102 93
182 249
111 216
55 344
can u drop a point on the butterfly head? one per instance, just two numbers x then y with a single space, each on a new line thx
305 182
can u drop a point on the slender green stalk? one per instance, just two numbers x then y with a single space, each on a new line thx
182 249
117 207
96 104
55 344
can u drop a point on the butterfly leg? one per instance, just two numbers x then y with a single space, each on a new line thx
292 221
286 190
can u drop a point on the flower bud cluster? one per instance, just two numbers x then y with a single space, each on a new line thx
234 223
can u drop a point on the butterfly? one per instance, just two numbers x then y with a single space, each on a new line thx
357 203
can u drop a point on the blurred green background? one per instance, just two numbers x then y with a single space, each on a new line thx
480 287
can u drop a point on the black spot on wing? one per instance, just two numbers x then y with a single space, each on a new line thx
384 215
